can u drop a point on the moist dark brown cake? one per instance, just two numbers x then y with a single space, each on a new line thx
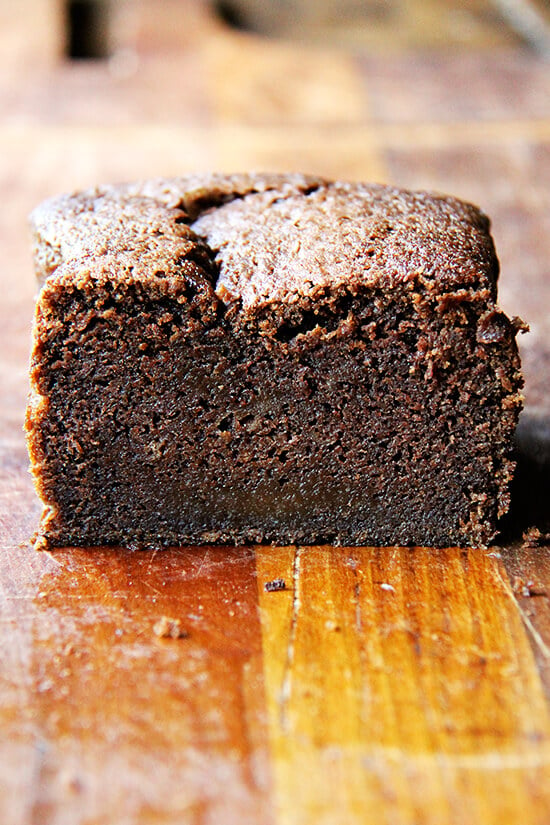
269 359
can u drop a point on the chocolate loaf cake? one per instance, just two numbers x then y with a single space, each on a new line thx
269 359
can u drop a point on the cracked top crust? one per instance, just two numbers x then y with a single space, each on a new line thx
261 240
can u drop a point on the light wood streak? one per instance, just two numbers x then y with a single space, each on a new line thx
401 688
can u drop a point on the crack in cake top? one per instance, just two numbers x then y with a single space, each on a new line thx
273 238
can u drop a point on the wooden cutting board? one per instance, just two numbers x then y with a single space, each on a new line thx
382 685
398 686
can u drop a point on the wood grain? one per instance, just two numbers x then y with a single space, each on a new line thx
407 687
108 717
529 572
403 685
281 84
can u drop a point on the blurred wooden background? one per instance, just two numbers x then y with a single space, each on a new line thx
397 686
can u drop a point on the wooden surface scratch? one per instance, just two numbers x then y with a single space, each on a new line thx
410 691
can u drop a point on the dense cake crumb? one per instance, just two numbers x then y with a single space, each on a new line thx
269 359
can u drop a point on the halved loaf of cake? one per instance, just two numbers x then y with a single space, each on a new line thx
269 359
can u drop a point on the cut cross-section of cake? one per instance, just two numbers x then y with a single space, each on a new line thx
265 358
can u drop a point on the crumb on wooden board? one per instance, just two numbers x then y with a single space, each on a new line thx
274 585
528 588
168 628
